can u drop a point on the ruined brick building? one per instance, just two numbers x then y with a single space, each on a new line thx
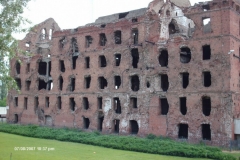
171 69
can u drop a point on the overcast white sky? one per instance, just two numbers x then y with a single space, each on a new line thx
73 13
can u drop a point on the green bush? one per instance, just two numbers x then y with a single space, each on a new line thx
150 144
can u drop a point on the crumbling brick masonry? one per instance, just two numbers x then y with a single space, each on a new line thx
170 69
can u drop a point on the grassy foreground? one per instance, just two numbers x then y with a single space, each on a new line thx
66 150
151 144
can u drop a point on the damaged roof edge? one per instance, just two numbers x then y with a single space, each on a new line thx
115 17
181 3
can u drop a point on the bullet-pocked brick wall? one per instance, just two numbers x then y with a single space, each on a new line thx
170 69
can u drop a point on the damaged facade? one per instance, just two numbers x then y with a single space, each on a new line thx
163 70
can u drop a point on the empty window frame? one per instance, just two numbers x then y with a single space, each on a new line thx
50 34
102 82
206 25
206 132
88 40
118 37
206 7
133 102
100 123
134 20
43 34
171 28
103 39
61 66
42 84
117 59
117 82
27 85
87 81
117 105
183 105
72 104
183 131
85 103
25 103
102 61
163 58
100 102
74 45
206 52
164 106
206 105
164 82
36 103
28 68
116 123
42 68
207 79
185 55
135 83
16 101
59 102
47 102
72 84
87 62
86 123
15 118
18 82
134 127
135 57
62 42
135 36
60 83
18 67
74 61
185 79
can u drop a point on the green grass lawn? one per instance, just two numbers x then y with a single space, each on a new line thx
67 151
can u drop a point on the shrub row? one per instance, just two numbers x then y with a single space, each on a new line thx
150 144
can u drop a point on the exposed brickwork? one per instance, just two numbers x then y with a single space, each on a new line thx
176 76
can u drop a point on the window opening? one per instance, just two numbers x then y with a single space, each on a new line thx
206 25
117 59
28 68
47 102
206 52
206 132
100 102
87 82
87 62
28 84
103 39
42 68
85 103
164 82
117 105
117 35
18 67
72 104
134 127
116 123
183 131
16 101
185 55
135 36
102 60
207 79
18 82
135 83
133 102
117 80
86 123
185 79
135 57
62 65
36 103
50 34
15 118
123 15
164 106
206 105
102 82
25 103
59 102
88 41
183 105
163 58
100 123
60 83
72 85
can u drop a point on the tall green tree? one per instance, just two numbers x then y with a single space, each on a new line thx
11 21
